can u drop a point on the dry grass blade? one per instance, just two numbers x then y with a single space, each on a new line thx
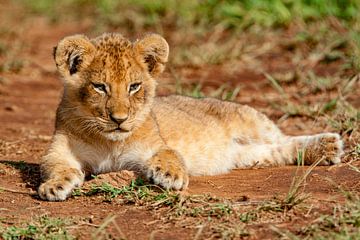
294 196
284 234
275 84
199 231
17 191
101 233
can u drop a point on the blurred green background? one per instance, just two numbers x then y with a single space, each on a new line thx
203 13
189 23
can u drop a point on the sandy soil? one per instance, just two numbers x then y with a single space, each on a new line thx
28 101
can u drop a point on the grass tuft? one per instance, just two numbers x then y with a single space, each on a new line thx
42 228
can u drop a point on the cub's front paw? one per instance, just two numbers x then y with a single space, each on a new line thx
58 189
168 170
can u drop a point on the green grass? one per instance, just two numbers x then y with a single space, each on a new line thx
203 206
207 32
155 197
342 223
136 193
341 220
175 207
197 13
192 205
207 210
223 92
42 228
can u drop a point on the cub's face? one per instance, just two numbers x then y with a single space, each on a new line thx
109 82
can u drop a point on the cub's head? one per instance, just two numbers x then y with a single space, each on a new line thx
109 82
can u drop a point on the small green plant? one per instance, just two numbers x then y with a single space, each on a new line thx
42 228
155 197
249 216
137 193
224 92
76 192
294 196
194 91
189 208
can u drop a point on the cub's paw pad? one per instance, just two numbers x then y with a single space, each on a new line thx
57 189
168 177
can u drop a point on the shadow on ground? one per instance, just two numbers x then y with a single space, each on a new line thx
30 172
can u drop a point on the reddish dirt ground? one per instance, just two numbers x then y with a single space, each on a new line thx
28 101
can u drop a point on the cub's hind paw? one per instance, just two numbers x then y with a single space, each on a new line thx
326 147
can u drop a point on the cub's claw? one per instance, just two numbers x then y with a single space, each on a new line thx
58 189
167 170
168 179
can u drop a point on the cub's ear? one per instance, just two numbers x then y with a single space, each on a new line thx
152 52
73 54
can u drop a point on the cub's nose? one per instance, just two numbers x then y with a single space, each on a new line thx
118 118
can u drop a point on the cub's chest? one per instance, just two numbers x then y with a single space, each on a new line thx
102 159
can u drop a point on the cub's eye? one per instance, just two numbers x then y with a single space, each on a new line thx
134 87
99 87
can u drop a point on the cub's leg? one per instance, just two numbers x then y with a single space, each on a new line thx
166 168
326 148
60 171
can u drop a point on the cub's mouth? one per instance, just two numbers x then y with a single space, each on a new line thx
119 130
116 128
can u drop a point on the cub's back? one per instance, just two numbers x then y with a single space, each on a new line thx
206 132
202 116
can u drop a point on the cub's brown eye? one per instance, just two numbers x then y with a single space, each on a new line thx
99 87
134 87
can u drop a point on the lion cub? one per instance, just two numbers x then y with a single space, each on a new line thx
109 119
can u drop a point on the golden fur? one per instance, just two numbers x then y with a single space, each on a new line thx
109 119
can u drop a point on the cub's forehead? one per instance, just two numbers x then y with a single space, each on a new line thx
112 45
113 53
